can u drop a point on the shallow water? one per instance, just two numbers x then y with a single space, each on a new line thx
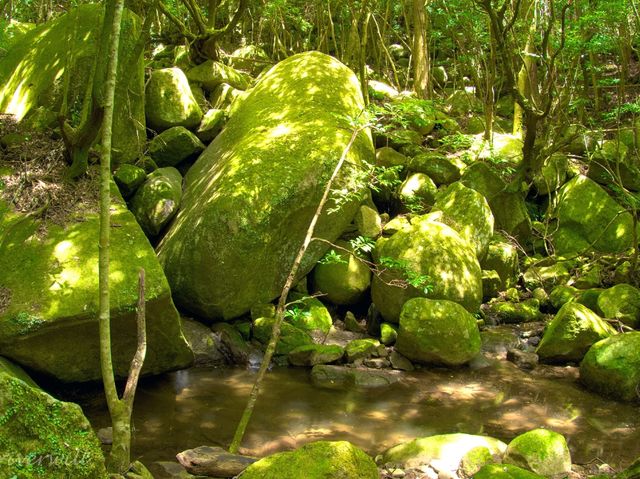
186 409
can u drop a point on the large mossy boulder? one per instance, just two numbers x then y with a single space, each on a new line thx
437 332
33 73
589 219
502 257
612 367
50 283
316 460
621 302
169 101
447 449
541 451
432 251
249 198
343 281
571 333
467 212
42 437
157 200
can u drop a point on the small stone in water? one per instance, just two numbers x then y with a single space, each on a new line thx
522 359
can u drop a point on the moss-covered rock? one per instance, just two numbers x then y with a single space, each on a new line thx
308 313
291 337
31 74
571 333
368 222
211 124
16 371
484 179
562 294
510 312
511 215
611 163
60 268
589 219
360 348
612 367
169 101
552 175
439 168
432 251
381 91
241 223
312 354
317 460
129 178
437 332
211 74
174 146
157 200
491 284
447 449
621 302
388 157
417 193
250 58
474 460
502 257
467 212
344 282
541 451
505 471
547 275
388 333
42 437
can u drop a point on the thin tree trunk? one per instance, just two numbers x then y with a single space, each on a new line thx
420 50
280 310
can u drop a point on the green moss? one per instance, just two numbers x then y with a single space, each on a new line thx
571 333
474 460
388 334
312 354
447 448
502 257
175 145
505 471
508 312
32 71
157 200
612 366
16 371
308 313
250 196
129 178
435 250
562 294
483 178
54 286
41 437
211 74
541 451
621 302
169 101
317 460
361 348
290 336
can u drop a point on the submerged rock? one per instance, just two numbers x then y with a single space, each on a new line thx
344 377
213 462
169 101
250 196
612 367
312 354
434 252
31 73
60 268
322 459
44 437
541 451
571 333
437 332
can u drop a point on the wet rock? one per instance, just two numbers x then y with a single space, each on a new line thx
320 459
612 367
377 363
352 324
571 333
499 339
437 332
232 344
398 361
541 451
522 359
204 343
213 462
343 377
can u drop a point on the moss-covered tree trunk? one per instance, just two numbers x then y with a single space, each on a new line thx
420 49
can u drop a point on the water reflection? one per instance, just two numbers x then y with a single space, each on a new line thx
197 407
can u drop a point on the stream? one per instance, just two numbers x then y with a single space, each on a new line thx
201 406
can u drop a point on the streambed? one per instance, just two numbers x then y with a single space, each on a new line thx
201 406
